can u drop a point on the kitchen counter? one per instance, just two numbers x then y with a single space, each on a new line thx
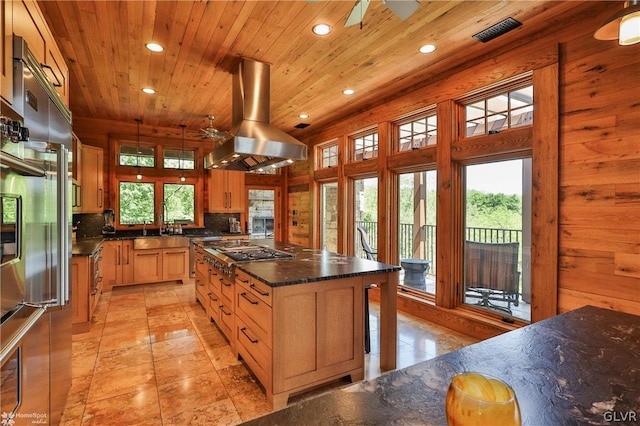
86 246
309 265
577 368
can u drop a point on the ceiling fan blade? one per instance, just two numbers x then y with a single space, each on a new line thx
357 13
402 8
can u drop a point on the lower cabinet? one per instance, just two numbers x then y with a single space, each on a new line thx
117 263
156 265
299 336
84 293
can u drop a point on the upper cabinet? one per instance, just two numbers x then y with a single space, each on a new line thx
25 19
92 179
6 49
226 191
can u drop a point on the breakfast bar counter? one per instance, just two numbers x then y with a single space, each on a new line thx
581 367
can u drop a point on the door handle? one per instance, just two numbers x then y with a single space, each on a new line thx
253 302
100 197
119 257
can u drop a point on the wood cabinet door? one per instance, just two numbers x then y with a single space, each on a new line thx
147 266
111 263
235 186
6 50
217 191
175 264
79 289
126 276
92 180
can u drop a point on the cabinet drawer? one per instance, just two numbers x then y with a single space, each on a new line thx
227 290
201 292
255 313
227 318
256 287
202 267
214 279
254 351
214 304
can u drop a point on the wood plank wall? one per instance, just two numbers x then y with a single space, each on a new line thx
599 170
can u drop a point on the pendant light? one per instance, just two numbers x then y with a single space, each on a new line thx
182 177
139 175
623 25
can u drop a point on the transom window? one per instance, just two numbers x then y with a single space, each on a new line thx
365 147
417 133
178 159
497 112
130 156
329 156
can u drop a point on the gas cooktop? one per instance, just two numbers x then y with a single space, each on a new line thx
254 253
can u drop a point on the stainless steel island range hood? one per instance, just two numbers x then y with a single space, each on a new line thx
253 143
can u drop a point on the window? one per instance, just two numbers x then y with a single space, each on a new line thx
262 212
329 216
498 112
365 213
365 147
417 133
497 237
136 203
177 159
179 203
417 230
329 156
130 156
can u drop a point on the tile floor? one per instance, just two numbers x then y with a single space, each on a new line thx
152 357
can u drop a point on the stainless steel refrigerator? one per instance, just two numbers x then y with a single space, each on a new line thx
36 311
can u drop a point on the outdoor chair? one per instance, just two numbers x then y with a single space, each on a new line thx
491 273
371 255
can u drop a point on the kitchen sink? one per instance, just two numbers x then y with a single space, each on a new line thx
160 242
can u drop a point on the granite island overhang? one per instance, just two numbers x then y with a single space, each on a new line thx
299 322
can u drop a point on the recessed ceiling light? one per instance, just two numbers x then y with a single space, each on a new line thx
321 29
154 47
149 90
348 92
427 48
303 116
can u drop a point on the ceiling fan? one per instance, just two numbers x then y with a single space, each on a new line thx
402 8
212 133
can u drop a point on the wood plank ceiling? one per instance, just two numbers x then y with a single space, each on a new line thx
103 43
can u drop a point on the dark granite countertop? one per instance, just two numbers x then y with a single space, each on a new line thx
86 246
582 367
309 265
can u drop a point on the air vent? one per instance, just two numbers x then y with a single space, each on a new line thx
497 30
301 125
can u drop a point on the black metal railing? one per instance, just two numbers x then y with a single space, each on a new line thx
406 239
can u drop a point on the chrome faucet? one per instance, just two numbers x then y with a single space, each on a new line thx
144 229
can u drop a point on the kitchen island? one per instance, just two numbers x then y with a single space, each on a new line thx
577 368
299 322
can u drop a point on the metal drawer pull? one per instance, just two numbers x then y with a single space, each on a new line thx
198 282
260 292
251 339
223 311
246 282
253 302
213 299
224 283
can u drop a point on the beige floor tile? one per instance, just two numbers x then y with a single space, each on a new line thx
139 407
213 339
176 317
190 394
176 347
124 339
182 367
223 357
122 381
124 357
117 327
79 391
220 413
82 366
160 310
171 331
238 380
93 333
72 415
251 404
85 347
